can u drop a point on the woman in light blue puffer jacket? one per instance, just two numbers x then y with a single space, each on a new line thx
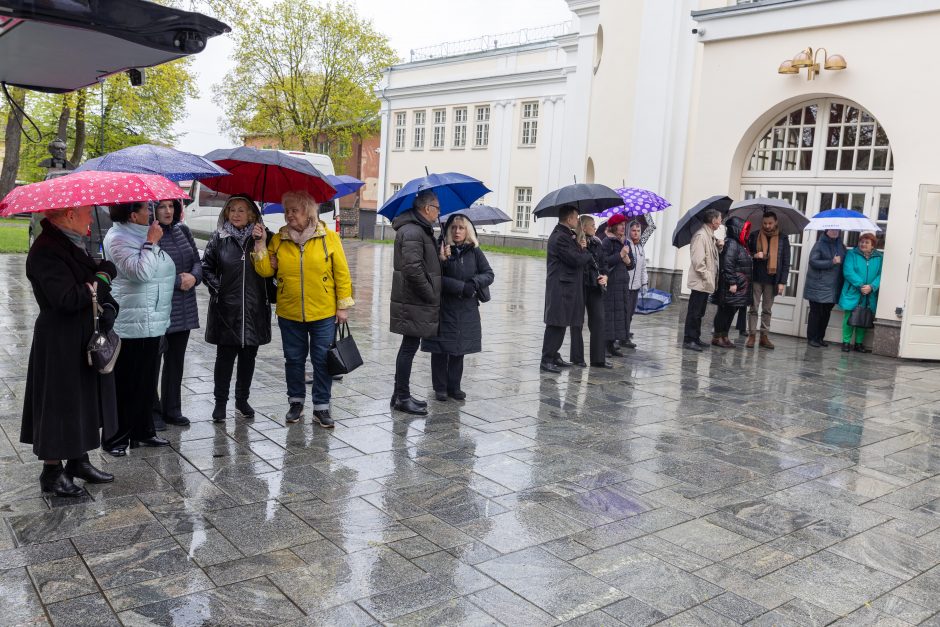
144 290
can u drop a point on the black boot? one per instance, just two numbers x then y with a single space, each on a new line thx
613 351
324 418
53 479
409 406
243 409
151 442
295 413
83 469
218 412
861 348
417 402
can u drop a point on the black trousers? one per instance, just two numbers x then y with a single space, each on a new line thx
818 320
446 372
551 342
169 403
698 302
594 303
403 364
723 318
135 380
225 357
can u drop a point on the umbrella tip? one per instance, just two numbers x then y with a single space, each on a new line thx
575 177
426 173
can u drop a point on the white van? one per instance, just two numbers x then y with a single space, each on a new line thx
202 213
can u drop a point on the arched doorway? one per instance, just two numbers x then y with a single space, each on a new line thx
823 154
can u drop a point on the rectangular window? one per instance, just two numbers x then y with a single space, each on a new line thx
323 147
396 187
440 128
401 119
523 208
530 123
460 127
482 131
419 129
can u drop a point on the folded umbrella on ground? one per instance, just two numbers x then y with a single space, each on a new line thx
692 220
587 197
175 165
266 175
789 220
454 192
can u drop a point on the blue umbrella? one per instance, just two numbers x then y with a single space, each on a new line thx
652 301
272 207
148 159
344 184
454 192
841 220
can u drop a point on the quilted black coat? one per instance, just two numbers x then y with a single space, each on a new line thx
416 282
734 268
178 243
460 330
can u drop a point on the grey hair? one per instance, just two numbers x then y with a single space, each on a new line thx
424 198
710 214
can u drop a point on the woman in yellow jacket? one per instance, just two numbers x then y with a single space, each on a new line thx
314 293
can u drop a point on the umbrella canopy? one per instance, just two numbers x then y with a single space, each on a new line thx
652 301
842 220
266 175
148 159
790 221
344 184
691 221
482 215
587 197
88 188
454 192
636 202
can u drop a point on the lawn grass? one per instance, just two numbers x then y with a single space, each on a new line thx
14 235
505 250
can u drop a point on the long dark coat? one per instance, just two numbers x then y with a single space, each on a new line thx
178 243
460 330
824 278
618 286
239 310
416 282
598 267
66 400
564 281
734 268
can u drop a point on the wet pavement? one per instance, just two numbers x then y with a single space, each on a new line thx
793 487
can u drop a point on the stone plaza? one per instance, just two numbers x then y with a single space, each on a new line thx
797 486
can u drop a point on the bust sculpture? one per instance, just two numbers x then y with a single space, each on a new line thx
57 161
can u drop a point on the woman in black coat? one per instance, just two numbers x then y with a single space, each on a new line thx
618 284
239 318
178 243
823 285
595 284
735 270
466 278
67 401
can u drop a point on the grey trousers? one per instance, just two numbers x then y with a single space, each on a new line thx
762 298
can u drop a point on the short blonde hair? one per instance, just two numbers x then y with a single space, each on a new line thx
305 200
471 232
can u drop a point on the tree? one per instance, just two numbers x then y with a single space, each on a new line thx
302 70
13 133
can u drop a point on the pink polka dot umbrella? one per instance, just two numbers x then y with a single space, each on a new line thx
80 189
636 202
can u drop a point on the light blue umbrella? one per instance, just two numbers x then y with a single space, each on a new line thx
454 192
149 159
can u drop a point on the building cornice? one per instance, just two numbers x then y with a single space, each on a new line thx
583 8
472 56
540 77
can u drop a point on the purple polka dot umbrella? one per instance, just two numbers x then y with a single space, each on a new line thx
636 202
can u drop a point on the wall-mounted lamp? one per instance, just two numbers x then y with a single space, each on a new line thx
809 59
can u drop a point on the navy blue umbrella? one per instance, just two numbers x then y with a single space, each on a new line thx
344 184
148 159
454 192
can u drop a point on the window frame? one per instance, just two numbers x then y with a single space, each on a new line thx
419 131
460 129
481 127
529 124
523 204
439 129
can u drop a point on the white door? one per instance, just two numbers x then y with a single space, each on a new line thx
920 328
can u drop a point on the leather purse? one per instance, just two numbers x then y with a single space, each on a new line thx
104 346
862 316
343 356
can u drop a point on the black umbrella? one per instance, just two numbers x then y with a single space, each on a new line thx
691 221
587 197
480 215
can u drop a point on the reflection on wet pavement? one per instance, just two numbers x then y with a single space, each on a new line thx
793 487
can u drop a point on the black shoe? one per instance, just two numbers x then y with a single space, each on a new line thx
83 469
601 364
158 423
409 406
53 479
627 344
295 413
823 343
561 363
155 441
218 412
579 364
441 396
179 421
324 418
692 346
547 366
814 344
116 451
861 348
701 344
414 400
846 347
243 409
613 351
457 395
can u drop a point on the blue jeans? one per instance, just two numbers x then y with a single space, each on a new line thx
300 339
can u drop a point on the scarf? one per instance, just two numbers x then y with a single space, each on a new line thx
240 234
867 255
768 246
302 237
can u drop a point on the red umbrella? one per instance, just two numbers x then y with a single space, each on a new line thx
89 188
266 175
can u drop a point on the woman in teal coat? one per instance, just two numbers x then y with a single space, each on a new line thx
862 271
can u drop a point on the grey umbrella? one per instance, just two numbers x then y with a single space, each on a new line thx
480 215
692 220
587 197
790 221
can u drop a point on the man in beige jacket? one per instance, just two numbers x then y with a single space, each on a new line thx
703 273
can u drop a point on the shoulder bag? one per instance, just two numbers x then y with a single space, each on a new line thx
103 347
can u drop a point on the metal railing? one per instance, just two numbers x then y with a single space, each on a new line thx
491 42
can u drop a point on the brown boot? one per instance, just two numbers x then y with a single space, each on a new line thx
726 343
716 339
765 342
750 340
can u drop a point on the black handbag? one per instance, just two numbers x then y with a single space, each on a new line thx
862 316
104 346
343 356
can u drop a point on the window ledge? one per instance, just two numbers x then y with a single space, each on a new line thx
526 146
480 147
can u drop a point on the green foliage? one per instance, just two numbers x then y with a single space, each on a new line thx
302 70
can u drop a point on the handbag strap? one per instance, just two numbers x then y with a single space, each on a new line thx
95 309
341 331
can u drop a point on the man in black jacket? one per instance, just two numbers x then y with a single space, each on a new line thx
564 287
416 292
771 253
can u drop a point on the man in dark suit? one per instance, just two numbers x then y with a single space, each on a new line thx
564 287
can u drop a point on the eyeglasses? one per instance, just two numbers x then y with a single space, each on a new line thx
438 207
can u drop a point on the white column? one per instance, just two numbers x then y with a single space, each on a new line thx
381 192
501 149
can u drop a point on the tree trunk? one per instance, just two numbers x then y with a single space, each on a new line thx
80 130
64 114
13 134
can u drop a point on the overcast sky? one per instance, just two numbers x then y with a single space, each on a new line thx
407 23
